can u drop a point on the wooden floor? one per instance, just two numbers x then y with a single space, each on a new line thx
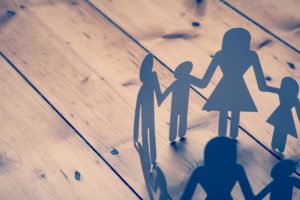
69 77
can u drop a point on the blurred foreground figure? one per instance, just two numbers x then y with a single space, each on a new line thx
219 173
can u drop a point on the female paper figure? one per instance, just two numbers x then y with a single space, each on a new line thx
283 183
180 89
231 94
145 107
219 173
282 117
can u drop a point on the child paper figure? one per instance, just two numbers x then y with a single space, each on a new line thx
180 89
281 188
231 94
282 117
145 108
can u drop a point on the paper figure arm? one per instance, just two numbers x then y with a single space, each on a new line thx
210 70
137 118
157 88
196 81
264 192
191 186
245 185
166 93
260 78
273 89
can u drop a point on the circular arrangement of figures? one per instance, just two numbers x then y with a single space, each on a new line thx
230 95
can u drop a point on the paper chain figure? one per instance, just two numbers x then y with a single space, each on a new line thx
230 95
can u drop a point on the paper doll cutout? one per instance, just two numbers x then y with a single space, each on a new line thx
180 90
144 111
282 117
219 173
283 183
231 94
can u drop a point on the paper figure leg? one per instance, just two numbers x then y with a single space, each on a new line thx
279 140
223 123
145 144
182 125
173 127
234 128
152 145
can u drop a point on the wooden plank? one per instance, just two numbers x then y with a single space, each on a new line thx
40 156
89 70
166 29
280 17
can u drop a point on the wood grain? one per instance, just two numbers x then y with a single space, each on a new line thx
280 17
41 157
89 70
166 29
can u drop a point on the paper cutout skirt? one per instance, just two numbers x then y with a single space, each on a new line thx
230 95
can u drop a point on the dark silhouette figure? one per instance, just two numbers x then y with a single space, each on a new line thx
219 173
231 93
180 89
160 183
281 188
282 117
145 168
145 107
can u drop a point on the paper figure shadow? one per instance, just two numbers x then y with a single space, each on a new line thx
231 93
160 183
283 183
219 173
282 117
146 168
155 179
